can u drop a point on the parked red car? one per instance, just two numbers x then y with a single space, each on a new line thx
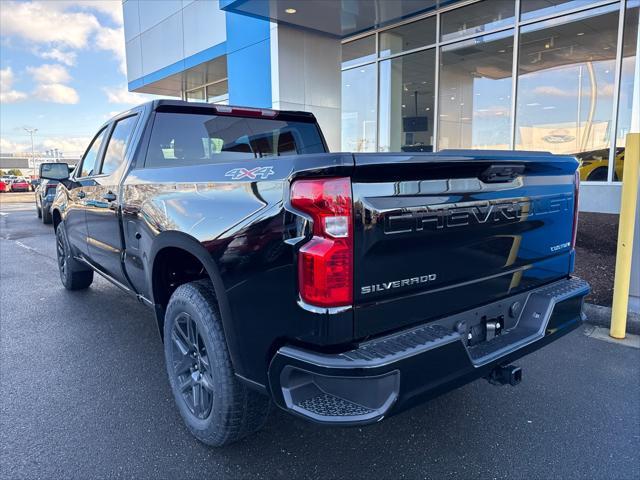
3 186
20 186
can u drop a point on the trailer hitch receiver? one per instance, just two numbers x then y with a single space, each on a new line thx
505 375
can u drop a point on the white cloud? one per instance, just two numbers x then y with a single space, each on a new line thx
7 94
7 146
66 57
112 40
69 146
49 73
12 96
113 8
605 89
62 26
56 93
43 22
122 96
552 91
491 111
50 80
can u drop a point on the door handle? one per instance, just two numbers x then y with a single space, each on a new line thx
109 196
81 194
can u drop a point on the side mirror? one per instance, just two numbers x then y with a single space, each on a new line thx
54 171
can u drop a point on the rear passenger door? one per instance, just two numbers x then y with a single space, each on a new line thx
104 237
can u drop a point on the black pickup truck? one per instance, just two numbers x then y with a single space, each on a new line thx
343 287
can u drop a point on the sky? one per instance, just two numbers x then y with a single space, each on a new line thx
62 71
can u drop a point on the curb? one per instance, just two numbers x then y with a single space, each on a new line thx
601 316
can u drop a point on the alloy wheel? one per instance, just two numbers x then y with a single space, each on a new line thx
191 367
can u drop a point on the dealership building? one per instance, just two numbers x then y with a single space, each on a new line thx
411 75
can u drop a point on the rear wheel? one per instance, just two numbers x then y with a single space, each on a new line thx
73 274
216 407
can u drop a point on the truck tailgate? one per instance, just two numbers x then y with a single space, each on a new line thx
436 234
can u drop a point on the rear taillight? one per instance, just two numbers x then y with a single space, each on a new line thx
576 195
325 263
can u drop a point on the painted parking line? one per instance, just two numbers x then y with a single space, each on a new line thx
27 247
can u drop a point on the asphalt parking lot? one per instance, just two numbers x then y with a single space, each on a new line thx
84 394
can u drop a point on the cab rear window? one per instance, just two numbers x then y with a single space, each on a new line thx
192 139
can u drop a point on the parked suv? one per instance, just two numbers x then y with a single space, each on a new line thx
45 193
343 287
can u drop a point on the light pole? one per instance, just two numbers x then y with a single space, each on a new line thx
31 131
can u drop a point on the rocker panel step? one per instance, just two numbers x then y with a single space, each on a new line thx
327 405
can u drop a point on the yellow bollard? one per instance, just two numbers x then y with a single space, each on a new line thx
628 205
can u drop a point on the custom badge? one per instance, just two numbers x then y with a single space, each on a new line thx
241 173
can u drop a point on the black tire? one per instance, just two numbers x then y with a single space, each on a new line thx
598 175
73 274
47 218
39 211
197 359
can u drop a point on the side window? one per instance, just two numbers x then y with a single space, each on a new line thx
117 146
91 156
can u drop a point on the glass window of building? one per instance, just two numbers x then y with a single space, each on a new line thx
359 109
197 95
358 51
407 86
407 37
475 93
566 81
218 93
628 80
478 17
542 8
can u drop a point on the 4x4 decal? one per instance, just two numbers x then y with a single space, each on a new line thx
258 172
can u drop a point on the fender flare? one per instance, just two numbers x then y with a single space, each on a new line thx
191 245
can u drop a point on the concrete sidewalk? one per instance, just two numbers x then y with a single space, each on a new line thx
601 316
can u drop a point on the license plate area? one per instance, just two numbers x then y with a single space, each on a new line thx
485 330
492 331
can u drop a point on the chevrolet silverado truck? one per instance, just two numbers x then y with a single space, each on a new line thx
343 287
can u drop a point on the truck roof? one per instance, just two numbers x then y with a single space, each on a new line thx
201 107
